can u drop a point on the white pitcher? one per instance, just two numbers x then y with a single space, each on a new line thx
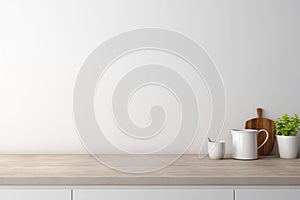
244 142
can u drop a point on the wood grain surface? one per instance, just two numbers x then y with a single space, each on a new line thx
263 123
188 170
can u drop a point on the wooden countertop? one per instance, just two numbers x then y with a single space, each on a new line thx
188 170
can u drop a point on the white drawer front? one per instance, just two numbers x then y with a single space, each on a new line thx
34 194
267 194
153 194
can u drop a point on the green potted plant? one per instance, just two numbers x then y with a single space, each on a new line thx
287 128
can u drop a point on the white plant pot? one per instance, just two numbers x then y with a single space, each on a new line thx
287 146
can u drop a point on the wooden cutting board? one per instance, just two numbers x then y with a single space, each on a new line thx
263 123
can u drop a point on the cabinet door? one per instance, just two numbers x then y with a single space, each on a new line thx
267 194
152 194
34 194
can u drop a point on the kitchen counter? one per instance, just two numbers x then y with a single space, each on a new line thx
188 170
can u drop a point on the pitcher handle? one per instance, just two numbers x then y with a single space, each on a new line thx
267 134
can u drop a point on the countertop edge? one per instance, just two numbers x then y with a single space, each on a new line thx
159 181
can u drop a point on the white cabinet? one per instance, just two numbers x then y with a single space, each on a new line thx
267 194
153 194
35 194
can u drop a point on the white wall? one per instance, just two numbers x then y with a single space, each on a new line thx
254 43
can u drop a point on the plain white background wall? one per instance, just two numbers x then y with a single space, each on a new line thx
255 45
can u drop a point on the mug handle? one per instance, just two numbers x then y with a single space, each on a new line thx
267 134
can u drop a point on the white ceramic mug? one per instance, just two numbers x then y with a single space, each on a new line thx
244 142
216 150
